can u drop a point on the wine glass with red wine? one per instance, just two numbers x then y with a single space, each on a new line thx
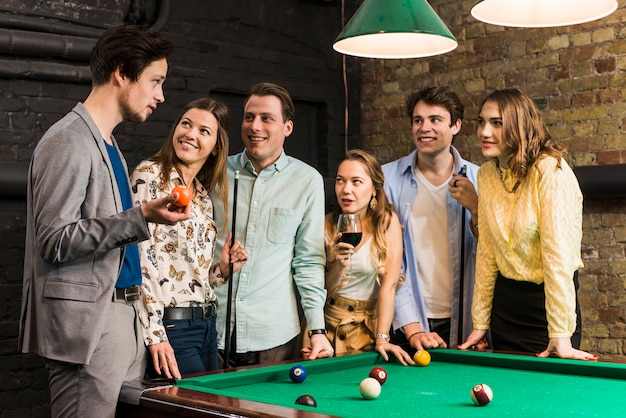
349 224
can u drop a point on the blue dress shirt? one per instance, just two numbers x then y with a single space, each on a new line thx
401 188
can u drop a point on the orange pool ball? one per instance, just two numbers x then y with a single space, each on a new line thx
422 358
184 195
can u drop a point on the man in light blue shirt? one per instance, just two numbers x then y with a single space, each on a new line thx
280 221
429 189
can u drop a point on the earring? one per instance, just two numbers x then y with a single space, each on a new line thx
373 202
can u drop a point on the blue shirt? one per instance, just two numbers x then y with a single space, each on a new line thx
401 188
280 221
130 275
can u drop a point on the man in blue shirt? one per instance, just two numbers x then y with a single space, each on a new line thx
280 221
429 189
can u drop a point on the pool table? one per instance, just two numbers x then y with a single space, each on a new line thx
523 386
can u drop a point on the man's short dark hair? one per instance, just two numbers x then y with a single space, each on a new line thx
436 96
271 89
128 47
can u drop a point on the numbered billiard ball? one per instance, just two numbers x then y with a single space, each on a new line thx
306 400
369 388
185 194
422 358
481 394
379 374
297 374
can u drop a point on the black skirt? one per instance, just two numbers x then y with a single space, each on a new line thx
518 316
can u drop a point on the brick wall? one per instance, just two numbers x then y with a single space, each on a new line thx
576 76
603 278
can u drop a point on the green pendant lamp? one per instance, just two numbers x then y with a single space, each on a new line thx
541 13
395 29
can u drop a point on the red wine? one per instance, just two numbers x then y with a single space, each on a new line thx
352 238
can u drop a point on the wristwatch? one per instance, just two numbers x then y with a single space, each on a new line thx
317 331
383 336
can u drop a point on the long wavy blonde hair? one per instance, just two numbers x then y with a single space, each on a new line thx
523 130
380 216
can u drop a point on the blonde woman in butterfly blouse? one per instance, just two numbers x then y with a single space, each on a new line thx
530 222
178 278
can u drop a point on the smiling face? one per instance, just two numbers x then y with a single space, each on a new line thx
490 134
432 128
263 130
353 187
139 98
195 137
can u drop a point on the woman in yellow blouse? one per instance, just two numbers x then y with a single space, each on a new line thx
530 222
178 275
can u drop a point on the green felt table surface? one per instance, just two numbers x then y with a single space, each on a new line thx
523 386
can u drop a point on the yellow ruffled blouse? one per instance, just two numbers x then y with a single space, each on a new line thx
534 234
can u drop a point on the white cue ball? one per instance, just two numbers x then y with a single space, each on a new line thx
481 394
369 388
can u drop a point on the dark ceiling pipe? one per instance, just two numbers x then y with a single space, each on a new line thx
24 43
45 45
47 23
47 71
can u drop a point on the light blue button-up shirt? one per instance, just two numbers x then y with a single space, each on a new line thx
280 221
401 188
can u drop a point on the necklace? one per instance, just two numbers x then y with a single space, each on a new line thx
517 183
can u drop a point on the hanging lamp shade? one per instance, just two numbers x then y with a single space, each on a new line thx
395 29
541 13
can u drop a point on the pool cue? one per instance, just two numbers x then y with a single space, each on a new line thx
230 282
462 267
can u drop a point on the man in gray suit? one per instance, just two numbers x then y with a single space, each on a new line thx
82 272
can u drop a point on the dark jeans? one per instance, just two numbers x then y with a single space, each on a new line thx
194 343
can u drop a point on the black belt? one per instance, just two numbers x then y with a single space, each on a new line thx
193 312
128 294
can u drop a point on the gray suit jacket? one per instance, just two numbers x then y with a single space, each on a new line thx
75 237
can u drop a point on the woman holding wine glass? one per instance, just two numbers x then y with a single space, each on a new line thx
363 250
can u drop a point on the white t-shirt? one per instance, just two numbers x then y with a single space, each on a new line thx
429 228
